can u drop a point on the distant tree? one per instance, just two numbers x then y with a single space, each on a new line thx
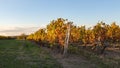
22 37
3 37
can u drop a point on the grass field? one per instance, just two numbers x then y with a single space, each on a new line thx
24 54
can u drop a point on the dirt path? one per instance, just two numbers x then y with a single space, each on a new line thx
75 62
72 61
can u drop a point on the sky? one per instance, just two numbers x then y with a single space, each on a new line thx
27 16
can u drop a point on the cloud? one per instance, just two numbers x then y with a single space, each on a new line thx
11 31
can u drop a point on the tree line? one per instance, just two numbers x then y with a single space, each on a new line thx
54 35
55 32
